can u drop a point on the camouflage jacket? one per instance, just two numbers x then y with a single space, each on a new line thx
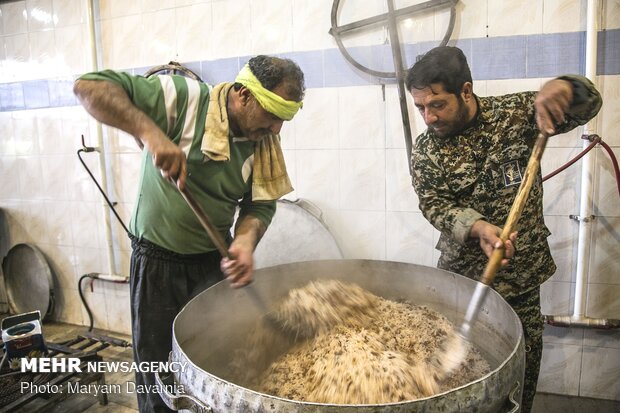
476 175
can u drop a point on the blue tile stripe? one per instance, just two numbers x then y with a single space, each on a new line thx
609 47
499 58
512 57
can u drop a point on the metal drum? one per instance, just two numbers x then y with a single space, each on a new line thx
212 324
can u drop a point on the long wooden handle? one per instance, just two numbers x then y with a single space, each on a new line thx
206 223
517 208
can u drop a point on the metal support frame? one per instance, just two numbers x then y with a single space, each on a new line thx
390 19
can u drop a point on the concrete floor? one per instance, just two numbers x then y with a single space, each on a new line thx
126 403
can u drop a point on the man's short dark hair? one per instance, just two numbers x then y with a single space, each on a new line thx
444 64
273 71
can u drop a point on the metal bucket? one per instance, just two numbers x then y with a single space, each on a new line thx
212 324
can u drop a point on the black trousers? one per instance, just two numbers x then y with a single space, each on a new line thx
161 283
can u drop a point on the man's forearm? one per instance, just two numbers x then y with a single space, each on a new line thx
249 231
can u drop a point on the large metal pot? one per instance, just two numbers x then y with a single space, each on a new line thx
212 324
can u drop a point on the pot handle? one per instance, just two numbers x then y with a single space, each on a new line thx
513 400
182 401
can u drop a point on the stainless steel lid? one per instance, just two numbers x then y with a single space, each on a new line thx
297 233
4 234
4 247
28 280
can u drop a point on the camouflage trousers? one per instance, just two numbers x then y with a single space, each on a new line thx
527 307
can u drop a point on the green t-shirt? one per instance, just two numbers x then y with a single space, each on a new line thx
178 105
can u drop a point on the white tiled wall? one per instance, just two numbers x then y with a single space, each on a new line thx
510 18
307 34
193 26
560 16
471 19
345 150
561 371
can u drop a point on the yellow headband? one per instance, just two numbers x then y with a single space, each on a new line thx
271 102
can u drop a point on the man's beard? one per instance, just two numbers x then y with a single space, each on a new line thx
455 126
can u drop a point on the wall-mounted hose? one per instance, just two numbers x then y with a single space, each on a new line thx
614 162
90 314
110 204
96 276
595 139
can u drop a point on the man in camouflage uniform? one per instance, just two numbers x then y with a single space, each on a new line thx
467 167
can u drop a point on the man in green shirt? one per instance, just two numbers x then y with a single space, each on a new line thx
222 143
467 167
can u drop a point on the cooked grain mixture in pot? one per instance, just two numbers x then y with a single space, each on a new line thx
358 348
